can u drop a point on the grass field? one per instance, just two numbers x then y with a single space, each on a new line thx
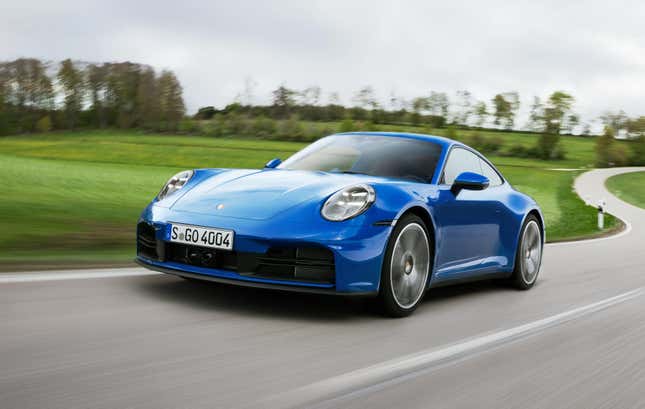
630 187
77 196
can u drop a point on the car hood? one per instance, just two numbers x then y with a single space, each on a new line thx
259 195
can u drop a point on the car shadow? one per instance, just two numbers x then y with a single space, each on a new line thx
470 290
256 302
272 304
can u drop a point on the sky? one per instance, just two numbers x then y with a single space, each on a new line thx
594 50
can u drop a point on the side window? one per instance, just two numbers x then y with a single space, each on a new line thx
490 173
460 160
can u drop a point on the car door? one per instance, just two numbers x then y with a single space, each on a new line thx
498 193
468 221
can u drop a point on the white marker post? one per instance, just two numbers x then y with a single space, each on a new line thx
601 214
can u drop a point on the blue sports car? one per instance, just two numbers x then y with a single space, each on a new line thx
367 213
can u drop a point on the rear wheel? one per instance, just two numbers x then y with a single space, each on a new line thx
406 267
529 255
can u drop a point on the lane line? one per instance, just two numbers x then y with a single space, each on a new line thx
73 275
388 372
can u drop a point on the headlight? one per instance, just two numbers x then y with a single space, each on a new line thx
175 183
348 203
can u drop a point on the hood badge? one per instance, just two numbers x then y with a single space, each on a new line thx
220 206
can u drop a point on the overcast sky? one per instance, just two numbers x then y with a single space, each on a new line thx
592 49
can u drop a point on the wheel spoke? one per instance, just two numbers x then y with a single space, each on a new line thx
408 291
407 241
535 257
535 242
419 247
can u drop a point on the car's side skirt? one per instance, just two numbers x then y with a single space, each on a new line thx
469 279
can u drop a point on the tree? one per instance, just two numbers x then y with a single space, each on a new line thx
481 113
121 92
636 129
439 104
419 106
248 95
464 104
283 100
44 124
364 98
205 113
171 102
557 111
124 94
535 115
29 91
571 122
32 86
502 109
73 85
616 120
334 98
395 103
608 153
506 106
4 86
148 102
638 151
96 77
311 95
555 116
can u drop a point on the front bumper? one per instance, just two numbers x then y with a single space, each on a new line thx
357 250
250 283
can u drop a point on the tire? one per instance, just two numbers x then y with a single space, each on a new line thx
528 256
406 267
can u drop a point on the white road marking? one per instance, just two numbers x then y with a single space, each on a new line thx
73 275
389 372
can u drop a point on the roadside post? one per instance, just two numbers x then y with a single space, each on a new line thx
601 213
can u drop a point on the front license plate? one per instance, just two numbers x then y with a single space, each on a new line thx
202 236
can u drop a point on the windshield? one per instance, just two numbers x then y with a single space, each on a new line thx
374 155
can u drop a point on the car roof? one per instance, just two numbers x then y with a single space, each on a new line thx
444 142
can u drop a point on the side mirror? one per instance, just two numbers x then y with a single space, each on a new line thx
469 181
273 163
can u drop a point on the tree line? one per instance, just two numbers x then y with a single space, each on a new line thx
436 109
550 117
41 96
38 96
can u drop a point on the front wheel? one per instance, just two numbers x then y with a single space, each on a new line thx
528 257
406 267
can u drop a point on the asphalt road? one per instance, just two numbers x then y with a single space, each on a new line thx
93 340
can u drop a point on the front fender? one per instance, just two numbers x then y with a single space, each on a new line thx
395 200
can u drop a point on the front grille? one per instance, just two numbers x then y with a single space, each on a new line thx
304 264
201 256
147 244
312 264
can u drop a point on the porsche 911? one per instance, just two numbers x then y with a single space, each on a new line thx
388 215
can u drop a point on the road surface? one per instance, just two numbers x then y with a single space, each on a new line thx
90 339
